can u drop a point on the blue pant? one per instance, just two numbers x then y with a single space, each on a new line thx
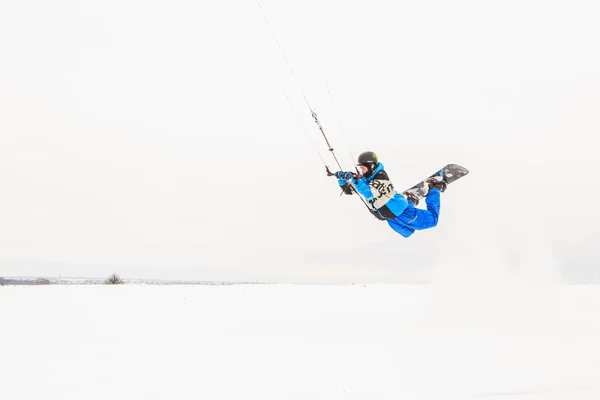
416 219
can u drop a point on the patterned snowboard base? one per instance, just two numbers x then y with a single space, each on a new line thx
450 173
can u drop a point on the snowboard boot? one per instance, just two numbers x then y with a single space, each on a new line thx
412 197
437 182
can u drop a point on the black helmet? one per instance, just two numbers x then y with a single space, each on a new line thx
368 159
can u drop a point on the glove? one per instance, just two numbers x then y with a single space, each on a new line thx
346 188
343 176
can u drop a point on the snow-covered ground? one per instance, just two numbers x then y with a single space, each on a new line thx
300 342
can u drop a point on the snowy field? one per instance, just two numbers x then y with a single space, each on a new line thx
300 342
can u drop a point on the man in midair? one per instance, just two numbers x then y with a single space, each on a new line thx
374 185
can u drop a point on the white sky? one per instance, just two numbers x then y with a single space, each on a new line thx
155 138
298 342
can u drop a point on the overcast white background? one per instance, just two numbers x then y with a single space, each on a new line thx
155 139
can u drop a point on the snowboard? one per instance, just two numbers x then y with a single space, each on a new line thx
450 173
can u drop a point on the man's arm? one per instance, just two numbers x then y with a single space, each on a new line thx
346 188
343 178
362 187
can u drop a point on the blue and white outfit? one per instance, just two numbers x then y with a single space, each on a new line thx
387 204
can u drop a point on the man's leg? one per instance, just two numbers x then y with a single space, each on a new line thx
400 227
425 219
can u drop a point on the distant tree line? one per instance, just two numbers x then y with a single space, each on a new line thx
114 279
37 281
